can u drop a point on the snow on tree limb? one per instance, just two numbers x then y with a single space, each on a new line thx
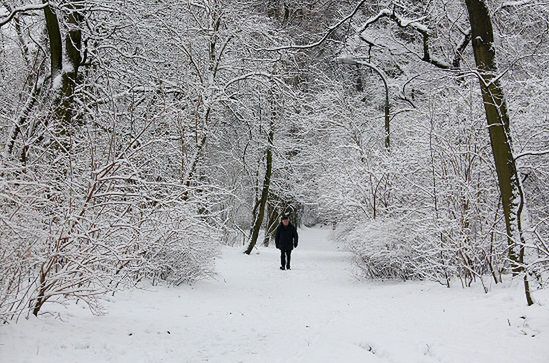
532 153
5 20
331 29
508 4
413 24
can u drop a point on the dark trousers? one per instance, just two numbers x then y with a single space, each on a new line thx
285 257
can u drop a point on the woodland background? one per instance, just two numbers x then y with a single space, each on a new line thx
138 136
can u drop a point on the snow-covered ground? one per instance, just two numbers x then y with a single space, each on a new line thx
317 312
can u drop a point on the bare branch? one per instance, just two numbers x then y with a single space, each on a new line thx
532 153
323 39
414 24
22 9
461 48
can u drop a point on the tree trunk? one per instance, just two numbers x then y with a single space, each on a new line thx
54 38
265 191
73 45
64 75
272 223
498 126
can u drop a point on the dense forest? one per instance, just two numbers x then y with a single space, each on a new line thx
137 137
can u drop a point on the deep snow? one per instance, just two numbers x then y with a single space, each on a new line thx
317 312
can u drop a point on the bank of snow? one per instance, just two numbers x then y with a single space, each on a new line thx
317 312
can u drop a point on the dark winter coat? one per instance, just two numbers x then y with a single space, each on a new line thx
286 237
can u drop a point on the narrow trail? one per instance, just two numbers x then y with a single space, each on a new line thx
317 312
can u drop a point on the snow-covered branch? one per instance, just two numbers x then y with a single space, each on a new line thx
22 9
532 153
330 30
414 24
510 4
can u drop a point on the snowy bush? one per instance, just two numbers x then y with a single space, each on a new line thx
396 248
182 247
80 238
380 250
414 248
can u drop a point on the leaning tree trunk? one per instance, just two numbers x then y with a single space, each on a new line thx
498 126
265 191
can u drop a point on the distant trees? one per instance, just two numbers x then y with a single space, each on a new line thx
481 37
137 136
428 51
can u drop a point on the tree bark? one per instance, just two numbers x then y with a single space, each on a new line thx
73 46
498 126
54 38
64 76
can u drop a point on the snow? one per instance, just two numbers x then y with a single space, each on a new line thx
6 18
317 312
515 3
401 20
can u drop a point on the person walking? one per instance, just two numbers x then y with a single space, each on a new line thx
286 240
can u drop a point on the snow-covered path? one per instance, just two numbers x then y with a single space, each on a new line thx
317 312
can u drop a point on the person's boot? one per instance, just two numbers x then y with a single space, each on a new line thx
287 267
282 268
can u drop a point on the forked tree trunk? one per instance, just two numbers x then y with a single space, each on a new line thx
265 191
500 137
